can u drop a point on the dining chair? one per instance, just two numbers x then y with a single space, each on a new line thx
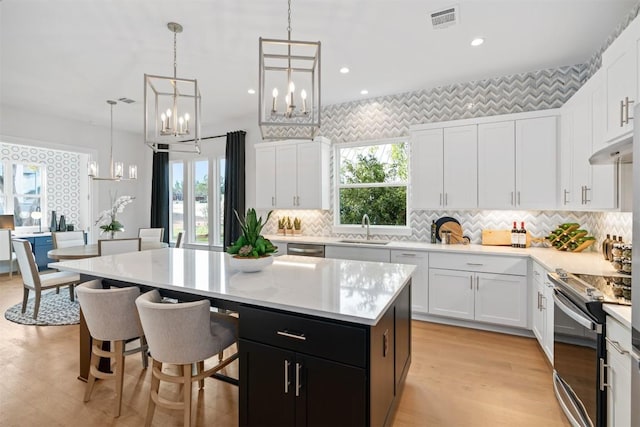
151 234
67 239
119 246
183 334
6 249
112 317
32 280
178 240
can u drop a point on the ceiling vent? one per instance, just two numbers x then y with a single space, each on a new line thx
444 18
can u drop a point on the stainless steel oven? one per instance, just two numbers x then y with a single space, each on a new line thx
305 249
579 376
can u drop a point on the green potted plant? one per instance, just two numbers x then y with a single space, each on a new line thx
281 225
297 226
251 251
289 226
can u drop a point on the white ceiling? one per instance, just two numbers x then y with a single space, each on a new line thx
67 57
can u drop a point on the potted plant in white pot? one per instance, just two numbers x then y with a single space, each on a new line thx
251 251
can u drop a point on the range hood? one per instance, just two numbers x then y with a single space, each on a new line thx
618 152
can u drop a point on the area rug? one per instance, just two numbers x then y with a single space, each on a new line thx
55 310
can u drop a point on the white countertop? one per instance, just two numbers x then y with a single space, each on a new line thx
622 313
353 291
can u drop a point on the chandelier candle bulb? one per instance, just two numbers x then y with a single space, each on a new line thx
303 95
118 169
133 172
93 169
275 98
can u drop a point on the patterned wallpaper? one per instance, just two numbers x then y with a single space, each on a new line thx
63 178
391 116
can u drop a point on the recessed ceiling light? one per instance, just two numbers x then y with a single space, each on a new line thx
344 70
251 91
477 41
364 92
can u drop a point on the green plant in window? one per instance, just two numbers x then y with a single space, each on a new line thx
251 244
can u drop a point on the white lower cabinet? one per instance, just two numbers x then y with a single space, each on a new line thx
420 278
357 253
618 374
471 287
542 310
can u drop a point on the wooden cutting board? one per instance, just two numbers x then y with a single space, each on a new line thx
500 238
456 232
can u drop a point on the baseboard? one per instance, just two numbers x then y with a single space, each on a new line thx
473 325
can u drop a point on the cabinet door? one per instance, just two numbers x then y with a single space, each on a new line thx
265 178
267 385
41 246
620 75
427 169
538 317
357 253
451 293
496 165
420 278
536 145
286 176
461 167
501 299
329 394
582 150
309 184
548 310
382 369
566 155
619 390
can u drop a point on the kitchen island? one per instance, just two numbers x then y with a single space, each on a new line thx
322 341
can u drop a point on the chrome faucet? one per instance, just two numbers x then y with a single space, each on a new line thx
366 223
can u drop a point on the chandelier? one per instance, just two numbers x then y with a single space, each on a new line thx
172 109
291 68
116 169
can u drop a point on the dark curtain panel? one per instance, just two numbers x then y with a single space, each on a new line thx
160 193
234 186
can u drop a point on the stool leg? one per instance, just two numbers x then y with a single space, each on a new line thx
186 369
199 369
119 372
153 392
93 364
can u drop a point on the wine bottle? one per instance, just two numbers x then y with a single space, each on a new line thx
522 236
605 242
433 232
514 236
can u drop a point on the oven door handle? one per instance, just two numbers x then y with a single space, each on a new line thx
564 304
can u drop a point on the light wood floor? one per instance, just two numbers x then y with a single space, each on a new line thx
458 377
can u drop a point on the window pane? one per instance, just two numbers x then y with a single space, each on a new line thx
22 208
201 200
384 205
222 168
382 163
27 179
177 205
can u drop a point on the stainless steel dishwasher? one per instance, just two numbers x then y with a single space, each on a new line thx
305 249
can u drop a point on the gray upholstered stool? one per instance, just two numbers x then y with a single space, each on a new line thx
183 334
111 316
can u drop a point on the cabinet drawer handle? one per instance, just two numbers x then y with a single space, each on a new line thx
627 101
471 282
621 113
286 376
512 198
446 199
539 301
385 343
298 384
616 345
404 254
587 200
565 196
518 198
475 263
603 366
273 201
440 199
288 334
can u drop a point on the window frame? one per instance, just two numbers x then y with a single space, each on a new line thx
396 230
9 192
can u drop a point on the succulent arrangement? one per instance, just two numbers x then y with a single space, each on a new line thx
251 244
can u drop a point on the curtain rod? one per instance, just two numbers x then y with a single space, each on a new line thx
209 137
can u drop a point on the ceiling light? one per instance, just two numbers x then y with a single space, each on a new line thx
364 92
477 41
344 70
116 169
285 65
172 109
251 91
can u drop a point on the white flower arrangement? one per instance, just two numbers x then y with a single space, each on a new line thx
107 218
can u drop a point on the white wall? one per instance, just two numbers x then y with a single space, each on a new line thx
34 129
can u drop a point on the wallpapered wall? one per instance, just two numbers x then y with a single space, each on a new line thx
62 181
391 116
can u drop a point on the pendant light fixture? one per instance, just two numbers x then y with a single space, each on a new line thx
116 169
291 68
172 109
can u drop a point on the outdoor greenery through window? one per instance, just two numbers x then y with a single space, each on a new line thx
21 191
373 181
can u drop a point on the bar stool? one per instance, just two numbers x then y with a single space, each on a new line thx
183 334
111 315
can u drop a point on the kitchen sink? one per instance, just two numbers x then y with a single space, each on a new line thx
364 241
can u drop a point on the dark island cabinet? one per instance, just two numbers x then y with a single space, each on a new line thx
299 370
40 245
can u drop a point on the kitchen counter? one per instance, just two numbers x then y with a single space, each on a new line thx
549 258
622 313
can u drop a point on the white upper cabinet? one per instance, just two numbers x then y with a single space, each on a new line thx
583 186
516 164
444 168
536 152
619 64
496 165
293 174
